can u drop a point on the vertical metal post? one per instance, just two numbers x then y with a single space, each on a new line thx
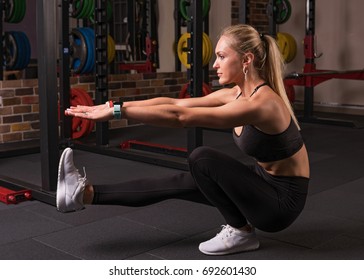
47 78
309 57
1 40
177 33
206 73
101 91
64 69
243 11
131 27
272 26
195 134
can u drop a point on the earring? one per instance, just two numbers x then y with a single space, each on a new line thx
245 71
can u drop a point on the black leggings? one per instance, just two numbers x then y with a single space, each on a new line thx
241 193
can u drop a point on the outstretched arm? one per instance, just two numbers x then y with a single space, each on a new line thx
235 113
103 112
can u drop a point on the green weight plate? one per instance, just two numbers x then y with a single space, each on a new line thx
15 11
77 6
282 11
108 13
84 7
9 10
91 9
183 4
18 8
109 10
23 8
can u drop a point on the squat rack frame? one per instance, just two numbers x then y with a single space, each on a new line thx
52 16
46 25
312 76
194 135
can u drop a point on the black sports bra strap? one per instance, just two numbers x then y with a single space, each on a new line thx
258 87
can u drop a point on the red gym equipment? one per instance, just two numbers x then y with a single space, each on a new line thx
147 66
312 76
81 127
184 93
13 197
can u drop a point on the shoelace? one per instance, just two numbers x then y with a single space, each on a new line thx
82 180
226 231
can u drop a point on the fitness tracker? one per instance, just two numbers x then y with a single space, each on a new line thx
117 110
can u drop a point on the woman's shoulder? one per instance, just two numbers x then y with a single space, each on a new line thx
228 91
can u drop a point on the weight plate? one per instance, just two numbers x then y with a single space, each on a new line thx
287 46
24 51
23 7
77 7
182 49
18 8
20 51
110 49
185 94
10 50
80 127
207 45
78 51
183 6
90 43
281 11
108 13
17 50
89 102
9 9
90 9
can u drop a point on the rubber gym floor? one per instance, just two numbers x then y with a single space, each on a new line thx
330 227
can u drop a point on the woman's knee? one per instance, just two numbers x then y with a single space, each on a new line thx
200 153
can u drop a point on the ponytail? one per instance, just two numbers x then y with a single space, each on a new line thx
273 70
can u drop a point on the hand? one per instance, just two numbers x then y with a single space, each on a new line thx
97 113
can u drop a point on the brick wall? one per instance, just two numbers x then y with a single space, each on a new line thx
256 14
19 110
19 107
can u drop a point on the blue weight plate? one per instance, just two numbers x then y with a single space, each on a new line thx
85 36
78 52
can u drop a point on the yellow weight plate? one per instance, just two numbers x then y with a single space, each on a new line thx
287 45
208 49
182 50
110 49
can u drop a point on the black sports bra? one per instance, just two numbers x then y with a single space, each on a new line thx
269 147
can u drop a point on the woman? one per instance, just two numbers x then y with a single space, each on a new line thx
269 195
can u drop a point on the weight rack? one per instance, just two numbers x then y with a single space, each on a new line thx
312 76
55 14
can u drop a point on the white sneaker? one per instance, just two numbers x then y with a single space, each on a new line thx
70 184
230 240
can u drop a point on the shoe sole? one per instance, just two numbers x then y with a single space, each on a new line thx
61 188
241 249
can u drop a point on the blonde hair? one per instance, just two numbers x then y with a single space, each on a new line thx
268 60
